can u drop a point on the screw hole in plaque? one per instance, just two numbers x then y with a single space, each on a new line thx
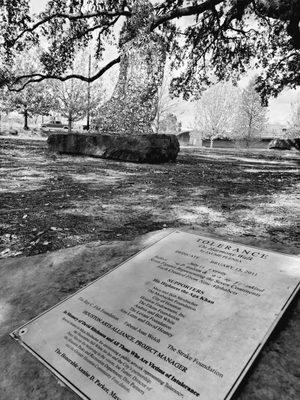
22 331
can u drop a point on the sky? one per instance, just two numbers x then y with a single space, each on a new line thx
279 108
37 5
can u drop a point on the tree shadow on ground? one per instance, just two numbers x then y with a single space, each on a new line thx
55 201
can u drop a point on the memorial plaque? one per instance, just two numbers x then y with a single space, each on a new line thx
184 318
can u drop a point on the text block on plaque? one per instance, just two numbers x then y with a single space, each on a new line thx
183 319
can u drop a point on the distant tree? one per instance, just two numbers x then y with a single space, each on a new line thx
72 99
72 95
215 111
295 120
293 130
165 104
32 101
106 88
3 105
251 117
170 125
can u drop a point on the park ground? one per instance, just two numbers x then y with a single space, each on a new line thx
49 201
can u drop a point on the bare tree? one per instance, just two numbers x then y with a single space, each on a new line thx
295 106
251 118
215 111
165 104
4 104
72 100
293 130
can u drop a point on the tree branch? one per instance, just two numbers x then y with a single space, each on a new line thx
185 11
282 60
70 17
98 26
35 78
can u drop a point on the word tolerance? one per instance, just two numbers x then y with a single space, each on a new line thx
184 318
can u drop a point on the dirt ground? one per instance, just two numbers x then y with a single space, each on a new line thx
53 201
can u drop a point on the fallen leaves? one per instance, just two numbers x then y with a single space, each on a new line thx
123 200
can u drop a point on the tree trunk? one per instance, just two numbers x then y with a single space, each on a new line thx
248 136
156 130
133 105
70 122
211 143
26 128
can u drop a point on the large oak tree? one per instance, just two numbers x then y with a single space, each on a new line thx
221 38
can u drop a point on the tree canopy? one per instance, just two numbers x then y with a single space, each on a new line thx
219 38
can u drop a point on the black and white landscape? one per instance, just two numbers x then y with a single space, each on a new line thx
166 131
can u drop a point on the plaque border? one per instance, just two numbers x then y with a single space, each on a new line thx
261 345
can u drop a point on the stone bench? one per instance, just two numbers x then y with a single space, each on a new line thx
140 149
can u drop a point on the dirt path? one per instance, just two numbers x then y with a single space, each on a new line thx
50 202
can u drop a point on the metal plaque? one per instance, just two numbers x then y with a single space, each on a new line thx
184 318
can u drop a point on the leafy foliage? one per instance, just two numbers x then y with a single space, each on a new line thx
222 38
32 101
169 124
227 42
